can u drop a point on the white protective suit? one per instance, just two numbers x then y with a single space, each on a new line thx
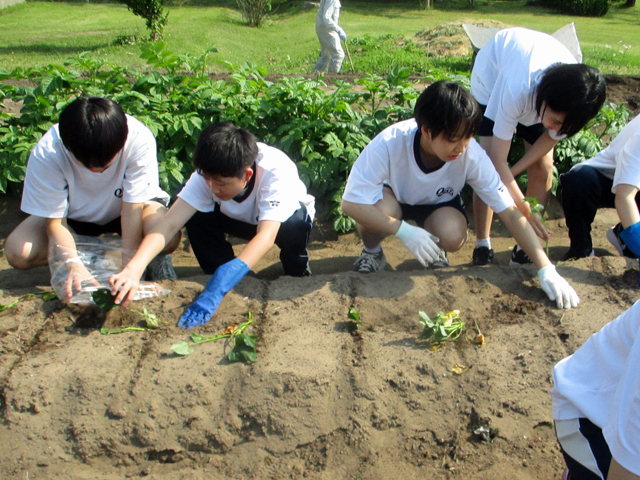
329 34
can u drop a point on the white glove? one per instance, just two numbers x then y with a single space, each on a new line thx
557 288
420 243
342 34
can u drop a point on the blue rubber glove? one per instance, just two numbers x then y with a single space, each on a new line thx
631 238
226 277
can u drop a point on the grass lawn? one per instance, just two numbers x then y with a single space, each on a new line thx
49 32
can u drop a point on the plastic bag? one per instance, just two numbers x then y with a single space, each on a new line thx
101 258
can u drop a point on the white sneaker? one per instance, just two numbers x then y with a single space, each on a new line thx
370 262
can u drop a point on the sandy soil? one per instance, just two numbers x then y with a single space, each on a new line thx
322 401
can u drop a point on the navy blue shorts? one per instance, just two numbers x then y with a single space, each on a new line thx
94 230
529 134
420 213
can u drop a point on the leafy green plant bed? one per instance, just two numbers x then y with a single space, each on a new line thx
323 130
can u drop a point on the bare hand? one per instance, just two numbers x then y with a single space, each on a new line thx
124 286
538 226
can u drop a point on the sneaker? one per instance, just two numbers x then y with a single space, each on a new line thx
370 262
161 268
518 258
482 256
441 262
613 235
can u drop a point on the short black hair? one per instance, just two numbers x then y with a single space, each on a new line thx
447 107
94 129
577 90
224 150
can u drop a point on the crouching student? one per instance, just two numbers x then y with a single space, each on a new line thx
415 170
531 84
596 403
609 180
94 172
240 187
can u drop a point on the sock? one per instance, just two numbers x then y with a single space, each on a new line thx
483 242
374 250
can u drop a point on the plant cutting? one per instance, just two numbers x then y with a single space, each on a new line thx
443 328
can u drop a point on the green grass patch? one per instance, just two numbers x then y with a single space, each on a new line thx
39 33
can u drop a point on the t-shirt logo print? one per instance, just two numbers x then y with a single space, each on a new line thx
274 203
443 191
118 192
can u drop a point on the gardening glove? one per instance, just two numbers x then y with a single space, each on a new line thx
631 238
342 34
557 288
420 243
226 277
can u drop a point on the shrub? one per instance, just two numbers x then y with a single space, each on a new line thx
254 11
152 11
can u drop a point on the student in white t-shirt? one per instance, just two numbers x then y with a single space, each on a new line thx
596 403
241 187
529 83
415 170
611 179
94 172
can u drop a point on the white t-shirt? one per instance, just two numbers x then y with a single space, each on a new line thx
620 161
57 185
276 194
601 382
390 159
506 73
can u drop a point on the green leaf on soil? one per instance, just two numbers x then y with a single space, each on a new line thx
103 299
182 348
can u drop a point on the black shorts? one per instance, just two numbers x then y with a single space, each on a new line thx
584 448
529 134
420 213
114 226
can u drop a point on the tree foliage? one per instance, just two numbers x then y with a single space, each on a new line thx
153 13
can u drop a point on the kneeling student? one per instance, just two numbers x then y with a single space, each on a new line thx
240 187
94 172
611 179
596 403
415 170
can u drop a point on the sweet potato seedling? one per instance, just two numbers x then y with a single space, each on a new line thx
244 345
46 296
445 327
105 301
536 208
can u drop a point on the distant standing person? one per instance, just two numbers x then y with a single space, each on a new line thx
529 83
329 33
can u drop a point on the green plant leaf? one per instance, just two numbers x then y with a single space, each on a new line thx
182 348
103 299
244 349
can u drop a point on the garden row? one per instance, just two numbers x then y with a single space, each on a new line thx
323 130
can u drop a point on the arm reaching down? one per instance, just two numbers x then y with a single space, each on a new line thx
556 287
227 276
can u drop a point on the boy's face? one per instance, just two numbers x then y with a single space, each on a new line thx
226 188
551 119
445 148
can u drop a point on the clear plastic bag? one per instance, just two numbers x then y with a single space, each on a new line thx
101 258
